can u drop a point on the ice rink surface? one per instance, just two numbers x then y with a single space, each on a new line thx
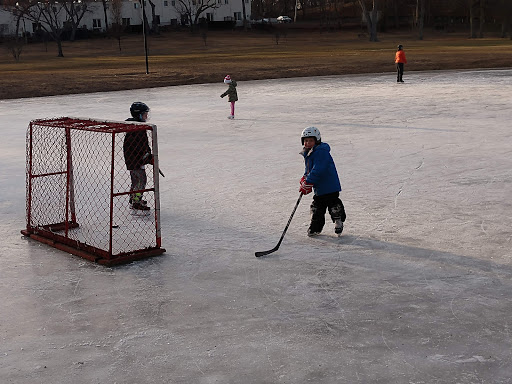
417 290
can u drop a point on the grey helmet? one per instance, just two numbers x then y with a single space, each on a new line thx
137 109
311 132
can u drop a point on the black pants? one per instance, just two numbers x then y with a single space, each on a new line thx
320 205
399 71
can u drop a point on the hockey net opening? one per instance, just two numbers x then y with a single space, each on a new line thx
80 194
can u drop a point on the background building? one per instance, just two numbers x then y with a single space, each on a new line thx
99 16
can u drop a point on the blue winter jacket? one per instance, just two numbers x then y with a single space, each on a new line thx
320 170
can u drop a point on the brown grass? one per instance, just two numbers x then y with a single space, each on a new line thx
177 58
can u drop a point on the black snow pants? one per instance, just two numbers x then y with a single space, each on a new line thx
399 72
318 207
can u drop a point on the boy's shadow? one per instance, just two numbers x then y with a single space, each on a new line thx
446 258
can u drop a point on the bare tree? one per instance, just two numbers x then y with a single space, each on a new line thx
48 16
117 27
244 15
105 7
472 33
303 5
371 18
482 18
155 26
19 11
193 9
420 17
257 7
338 7
505 9
474 6
396 17
154 20
75 11
14 46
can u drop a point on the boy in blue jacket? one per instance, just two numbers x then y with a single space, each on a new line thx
321 176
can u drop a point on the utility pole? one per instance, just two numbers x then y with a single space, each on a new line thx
144 34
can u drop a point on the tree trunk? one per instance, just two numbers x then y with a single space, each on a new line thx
154 22
472 33
145 18
303 9
191 21
18 21
244 15
366 16
482 18
59 47
339 13
374 17
421 20
396 16
105 14
371 19
17 45
416 19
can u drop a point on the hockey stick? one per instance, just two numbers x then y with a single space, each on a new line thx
264 253
145 159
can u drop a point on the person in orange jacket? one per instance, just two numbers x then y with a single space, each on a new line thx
400 60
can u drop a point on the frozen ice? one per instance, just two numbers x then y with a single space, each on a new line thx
417 289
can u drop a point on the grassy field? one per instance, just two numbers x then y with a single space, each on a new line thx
176 58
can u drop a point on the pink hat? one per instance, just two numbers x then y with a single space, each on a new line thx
227 79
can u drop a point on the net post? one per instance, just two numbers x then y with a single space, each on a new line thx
111 213
29 176
156 183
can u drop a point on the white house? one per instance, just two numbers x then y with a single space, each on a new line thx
167 12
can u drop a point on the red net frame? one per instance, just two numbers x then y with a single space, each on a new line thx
78 190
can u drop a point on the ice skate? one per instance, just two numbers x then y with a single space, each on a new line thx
140 206
142 202
231 117
338 227
139 209
312 233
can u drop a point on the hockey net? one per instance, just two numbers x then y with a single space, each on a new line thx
78 190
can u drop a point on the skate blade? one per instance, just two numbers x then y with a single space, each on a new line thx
140 213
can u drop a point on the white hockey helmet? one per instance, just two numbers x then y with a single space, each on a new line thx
311 132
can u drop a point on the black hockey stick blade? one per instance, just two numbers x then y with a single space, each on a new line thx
264 253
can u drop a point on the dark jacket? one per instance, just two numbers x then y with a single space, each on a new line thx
136 149
320 170
231 92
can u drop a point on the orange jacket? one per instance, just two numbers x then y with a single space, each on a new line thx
400 57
